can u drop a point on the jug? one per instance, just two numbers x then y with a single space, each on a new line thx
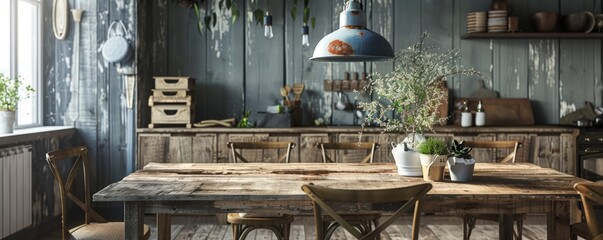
407 160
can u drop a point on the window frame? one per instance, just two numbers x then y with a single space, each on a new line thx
14 57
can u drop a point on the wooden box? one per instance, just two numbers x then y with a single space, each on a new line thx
188 100
171 114
177 93
173 83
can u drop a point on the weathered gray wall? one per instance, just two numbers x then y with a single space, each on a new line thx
97 108
237 69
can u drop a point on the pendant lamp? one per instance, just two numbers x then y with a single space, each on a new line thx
352 42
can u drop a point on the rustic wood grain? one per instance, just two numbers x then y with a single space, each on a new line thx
214 188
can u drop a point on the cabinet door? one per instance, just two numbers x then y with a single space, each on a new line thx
354 156
275 155
547 151
152 148
307 149
180 149
205 148
568 153
252 155
482 154
523 153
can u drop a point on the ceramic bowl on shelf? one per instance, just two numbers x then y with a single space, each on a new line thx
545 21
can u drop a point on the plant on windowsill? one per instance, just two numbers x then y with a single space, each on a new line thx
11 92
407 98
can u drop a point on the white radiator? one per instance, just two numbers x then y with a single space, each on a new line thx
15 189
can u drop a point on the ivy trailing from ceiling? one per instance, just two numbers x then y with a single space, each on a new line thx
306 13
209 18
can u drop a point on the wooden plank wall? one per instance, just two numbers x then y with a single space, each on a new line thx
98 107
238 70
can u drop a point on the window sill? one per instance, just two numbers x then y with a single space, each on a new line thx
35 133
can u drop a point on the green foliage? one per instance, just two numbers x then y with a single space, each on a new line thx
458 149
208 14
411 92
245 122
11 92
433 146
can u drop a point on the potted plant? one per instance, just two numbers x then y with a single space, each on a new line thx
460 163
11 92
407 98
433 153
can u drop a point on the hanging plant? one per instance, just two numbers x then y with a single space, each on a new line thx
209 18
306 13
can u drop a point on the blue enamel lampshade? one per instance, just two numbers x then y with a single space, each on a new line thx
352 42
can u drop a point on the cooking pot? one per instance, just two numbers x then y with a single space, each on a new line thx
583 122
598 122
117 48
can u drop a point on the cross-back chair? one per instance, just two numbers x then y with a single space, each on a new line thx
324 199
371 147
590 193
95 226
237 156
511 145
243 223
469 220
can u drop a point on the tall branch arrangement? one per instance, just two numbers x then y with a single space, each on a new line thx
411 92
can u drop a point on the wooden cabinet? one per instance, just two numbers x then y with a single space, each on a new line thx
552 147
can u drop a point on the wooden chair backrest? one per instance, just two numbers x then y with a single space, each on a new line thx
370 146
80 154
237 156
322 196
591 193
514 145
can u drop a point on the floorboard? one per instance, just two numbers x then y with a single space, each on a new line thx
432 227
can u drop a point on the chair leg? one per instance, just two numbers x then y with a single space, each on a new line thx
519 232
468 225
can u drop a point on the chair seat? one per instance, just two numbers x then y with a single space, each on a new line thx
581 229
104 231
236 218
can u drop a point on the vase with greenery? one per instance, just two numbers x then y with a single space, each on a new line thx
460 163
433 154
11 92
407 99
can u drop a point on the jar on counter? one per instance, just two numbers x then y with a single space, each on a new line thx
466 118
480 115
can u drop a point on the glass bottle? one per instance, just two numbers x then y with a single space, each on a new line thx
480 115
466 119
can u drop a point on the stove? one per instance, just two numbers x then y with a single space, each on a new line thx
589 151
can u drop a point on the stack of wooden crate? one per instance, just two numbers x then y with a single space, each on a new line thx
171 102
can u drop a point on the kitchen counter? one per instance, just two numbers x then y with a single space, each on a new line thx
356 129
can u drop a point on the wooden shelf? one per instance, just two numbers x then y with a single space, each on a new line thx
524 35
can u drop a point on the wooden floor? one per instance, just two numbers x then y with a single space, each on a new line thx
432 227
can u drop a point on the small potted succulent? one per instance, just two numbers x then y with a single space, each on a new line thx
11 92
460 163
433 153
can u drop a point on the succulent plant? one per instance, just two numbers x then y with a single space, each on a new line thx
458 149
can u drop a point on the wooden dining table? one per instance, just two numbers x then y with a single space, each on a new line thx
193 188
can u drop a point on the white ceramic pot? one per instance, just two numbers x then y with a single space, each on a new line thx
461 170
433 167
7 121
407 160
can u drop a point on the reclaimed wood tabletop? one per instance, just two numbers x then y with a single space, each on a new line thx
176 188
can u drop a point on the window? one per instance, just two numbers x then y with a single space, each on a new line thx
20 53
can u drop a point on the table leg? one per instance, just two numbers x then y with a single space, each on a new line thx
133 220
558 221
164 226
505 226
